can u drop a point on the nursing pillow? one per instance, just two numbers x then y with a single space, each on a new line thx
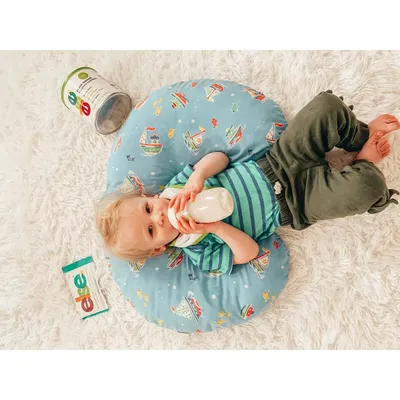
174 126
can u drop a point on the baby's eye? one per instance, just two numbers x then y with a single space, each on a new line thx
147 209
151 230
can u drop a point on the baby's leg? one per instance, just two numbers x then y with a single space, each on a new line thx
313 191
322 193
321 125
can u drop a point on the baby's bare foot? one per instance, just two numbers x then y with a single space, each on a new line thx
385 123
375 149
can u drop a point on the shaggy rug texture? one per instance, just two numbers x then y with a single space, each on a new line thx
344 287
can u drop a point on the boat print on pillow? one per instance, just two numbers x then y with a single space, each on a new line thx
234 134
260 263
213 90
247 311
131 183
272 135
136 266
153 147
175 258
179 100
189 307
255 94
193 142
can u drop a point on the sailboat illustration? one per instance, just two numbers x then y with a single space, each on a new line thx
154 147
136 266
139 105
118 144
174 259
234 134
193 142
247 311
189 307
272 135
260 263
179 100
256 95
131 183
212 91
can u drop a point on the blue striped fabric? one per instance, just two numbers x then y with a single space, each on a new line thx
256 212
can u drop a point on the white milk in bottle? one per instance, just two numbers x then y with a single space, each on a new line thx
210 205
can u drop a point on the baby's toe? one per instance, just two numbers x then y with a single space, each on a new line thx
388 118
384 148
382 143
385 153
393 125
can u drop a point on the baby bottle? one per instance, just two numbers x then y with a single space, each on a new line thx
210 205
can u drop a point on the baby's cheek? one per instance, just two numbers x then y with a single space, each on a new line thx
166 202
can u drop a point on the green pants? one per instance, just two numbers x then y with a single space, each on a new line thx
308 190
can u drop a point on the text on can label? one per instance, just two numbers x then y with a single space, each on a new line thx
82 106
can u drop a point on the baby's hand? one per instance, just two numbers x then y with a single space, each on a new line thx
180 200
193 187
188 227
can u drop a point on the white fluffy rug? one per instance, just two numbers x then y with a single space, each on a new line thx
344 281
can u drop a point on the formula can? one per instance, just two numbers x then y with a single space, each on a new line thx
98 101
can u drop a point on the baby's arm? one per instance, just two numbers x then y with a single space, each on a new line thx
210 165
243 247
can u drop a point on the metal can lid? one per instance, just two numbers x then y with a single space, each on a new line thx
68 78
113 113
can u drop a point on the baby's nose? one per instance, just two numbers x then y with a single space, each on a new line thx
161 218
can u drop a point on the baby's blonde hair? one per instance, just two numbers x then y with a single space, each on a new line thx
108 219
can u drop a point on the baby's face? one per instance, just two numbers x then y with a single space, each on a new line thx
145 224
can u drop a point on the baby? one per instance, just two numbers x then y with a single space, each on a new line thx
293 185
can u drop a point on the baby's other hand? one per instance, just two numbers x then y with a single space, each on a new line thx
190 226
193 187
180 200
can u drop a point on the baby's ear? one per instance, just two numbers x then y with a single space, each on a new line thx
158 251
156 196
